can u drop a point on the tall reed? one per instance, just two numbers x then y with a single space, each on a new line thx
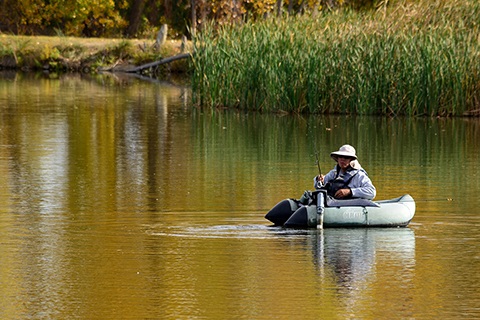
420 59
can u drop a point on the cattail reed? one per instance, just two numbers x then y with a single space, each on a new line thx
418 59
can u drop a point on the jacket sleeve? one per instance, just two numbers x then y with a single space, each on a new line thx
365 188
317 184
329 176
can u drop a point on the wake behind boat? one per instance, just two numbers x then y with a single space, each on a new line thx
291 213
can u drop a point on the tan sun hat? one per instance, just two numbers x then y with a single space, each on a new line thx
346 151
355 164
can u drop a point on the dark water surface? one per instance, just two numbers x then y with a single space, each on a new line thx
120 201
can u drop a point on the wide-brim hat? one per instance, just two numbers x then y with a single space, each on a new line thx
345 151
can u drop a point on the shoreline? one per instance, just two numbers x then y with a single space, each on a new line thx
86 55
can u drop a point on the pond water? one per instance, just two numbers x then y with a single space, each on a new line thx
120 200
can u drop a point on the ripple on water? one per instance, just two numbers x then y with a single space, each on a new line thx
226 231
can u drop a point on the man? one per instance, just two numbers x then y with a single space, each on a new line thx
348 179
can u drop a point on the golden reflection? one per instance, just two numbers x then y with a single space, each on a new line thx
118 200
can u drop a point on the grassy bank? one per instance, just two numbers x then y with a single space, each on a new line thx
82 54
417 59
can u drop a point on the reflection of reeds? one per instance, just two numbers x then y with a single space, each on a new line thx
418 60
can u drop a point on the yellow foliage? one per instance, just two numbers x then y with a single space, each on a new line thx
49 53
73 17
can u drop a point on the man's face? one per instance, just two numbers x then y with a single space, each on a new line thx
344 162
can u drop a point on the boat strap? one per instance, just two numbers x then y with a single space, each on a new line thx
354 202
309 198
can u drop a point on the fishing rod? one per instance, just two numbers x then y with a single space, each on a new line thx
318 163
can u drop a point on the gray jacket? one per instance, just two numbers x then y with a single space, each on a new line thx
358 182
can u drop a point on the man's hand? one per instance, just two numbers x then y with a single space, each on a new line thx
343 193
320 178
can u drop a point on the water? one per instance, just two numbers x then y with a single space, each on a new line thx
120 200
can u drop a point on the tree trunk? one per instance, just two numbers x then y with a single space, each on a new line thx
159 62
279 7
135 17
301 10
194 18
168 9
290 8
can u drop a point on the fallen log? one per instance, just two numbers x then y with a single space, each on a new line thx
159 62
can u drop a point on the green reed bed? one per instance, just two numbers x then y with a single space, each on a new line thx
414 60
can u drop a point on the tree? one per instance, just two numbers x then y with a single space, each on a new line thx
138 18
134 17
193 18
69 17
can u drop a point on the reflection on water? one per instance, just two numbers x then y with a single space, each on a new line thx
340 263
118 200
351 252
351 258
